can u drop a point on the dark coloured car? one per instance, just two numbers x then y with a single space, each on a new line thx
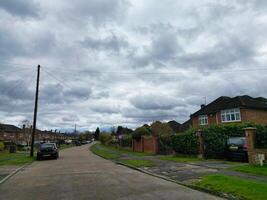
47 150
77 143
236 149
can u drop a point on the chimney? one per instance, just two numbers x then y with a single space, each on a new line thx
23 126
202 106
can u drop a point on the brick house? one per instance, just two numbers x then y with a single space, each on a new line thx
10 133
231 110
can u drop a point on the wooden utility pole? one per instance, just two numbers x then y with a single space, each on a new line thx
35 110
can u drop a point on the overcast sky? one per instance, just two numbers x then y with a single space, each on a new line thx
127 62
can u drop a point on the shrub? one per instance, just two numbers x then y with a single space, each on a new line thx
158 128
139 132
215 137
261 137
105 138
165 144
185 143
126 141
2 146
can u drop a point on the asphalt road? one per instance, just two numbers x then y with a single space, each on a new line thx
79 174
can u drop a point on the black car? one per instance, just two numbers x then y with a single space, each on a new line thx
47 150
236 149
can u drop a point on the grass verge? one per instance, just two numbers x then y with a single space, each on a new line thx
114 152
251 169
19 158
238 187
180 158
138 163
100 150
126 151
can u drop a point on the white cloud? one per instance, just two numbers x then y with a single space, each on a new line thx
127 62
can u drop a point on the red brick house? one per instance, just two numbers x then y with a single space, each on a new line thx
232 110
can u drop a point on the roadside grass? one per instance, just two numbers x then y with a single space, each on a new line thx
242 188
103 152
126 151
138 163
251 169
115 151
180 158
19 158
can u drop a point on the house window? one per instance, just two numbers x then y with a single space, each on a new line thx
203 119
231 115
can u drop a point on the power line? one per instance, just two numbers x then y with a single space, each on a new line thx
84 70
57 79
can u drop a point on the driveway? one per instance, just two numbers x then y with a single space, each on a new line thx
79 174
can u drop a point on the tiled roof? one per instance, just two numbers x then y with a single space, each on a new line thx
233 102
9 128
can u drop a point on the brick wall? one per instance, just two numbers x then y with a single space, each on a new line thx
150 145
146 144
138 145
256 116
252 151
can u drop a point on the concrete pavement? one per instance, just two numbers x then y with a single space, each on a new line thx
79 174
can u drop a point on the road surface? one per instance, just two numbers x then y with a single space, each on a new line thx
79 174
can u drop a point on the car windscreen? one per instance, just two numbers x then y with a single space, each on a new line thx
44 146
237 140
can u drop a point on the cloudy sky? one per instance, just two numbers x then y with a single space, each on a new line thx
127 62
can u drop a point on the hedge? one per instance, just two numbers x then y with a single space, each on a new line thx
261 137
215 137
141 131
105 138
126 141
185 143
165 144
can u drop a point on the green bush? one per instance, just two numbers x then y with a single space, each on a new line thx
261 137
185 143
126 141
141 131
215 137
165 144
2 146
105 138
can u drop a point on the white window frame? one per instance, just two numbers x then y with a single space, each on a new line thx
203 119
231 115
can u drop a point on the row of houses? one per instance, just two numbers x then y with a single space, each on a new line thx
11 133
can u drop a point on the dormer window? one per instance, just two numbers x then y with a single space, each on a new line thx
231 115
203 119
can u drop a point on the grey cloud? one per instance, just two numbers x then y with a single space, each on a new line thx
232 50
99 11
105 108
112 43
78 93
15 90
21 8
155 102
163 48
58 94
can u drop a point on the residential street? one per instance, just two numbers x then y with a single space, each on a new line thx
79 174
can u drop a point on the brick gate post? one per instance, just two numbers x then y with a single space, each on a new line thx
250 133
200 139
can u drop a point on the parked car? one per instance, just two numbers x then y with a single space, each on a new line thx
47 150
77 143
236 149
